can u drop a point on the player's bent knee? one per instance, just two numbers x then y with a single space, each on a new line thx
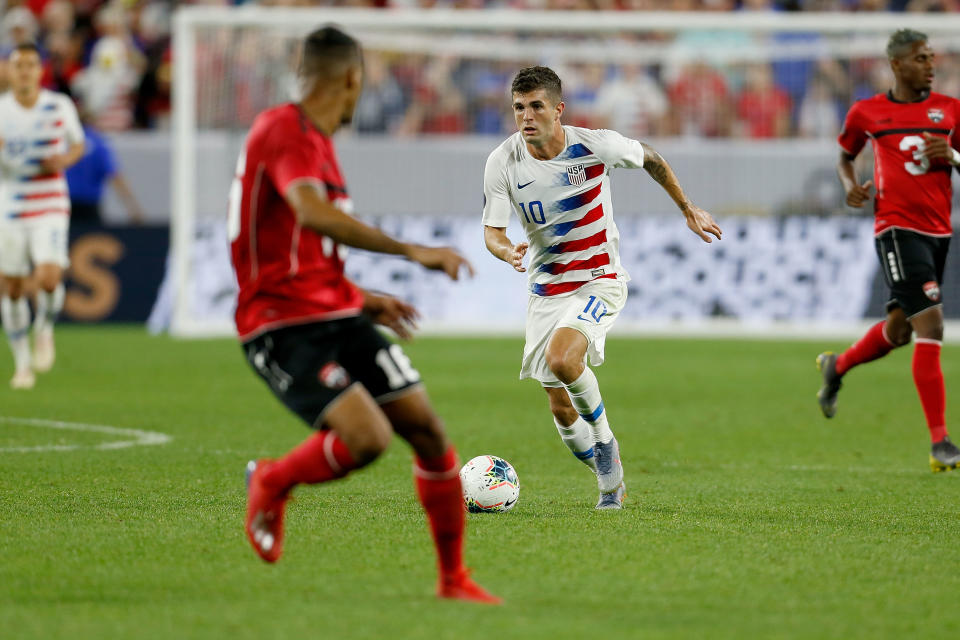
14 288
361 425
554 360
48 279
567 369
901 338
367 444
898 330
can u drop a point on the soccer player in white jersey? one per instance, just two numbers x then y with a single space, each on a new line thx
40 136
556 179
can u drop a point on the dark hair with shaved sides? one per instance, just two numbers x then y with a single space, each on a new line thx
902 41
328 52
533 78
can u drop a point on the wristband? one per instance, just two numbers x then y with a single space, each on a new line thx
954 157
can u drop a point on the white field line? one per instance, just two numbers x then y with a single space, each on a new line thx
919 470
131 437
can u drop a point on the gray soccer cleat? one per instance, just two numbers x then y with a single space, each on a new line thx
827 395
609 469
944 456
612 500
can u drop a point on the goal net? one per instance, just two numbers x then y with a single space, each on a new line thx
745 106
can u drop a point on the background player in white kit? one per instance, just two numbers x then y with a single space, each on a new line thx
555 178
40 136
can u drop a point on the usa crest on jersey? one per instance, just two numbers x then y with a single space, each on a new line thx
935 115
576 175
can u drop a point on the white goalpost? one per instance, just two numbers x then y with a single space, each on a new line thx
233 61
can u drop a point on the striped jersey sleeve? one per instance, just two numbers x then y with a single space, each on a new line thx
615 150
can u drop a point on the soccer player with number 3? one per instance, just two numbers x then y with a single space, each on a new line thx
555 179
915 137
308 331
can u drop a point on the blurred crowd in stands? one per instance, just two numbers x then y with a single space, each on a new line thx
694 99
114 58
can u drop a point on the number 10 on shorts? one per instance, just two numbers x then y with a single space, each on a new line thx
595 310
396 366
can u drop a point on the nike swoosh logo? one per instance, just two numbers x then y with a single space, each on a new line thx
521 186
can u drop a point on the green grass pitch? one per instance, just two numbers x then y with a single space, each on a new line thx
748 514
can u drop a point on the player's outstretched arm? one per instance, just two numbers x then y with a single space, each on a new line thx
699 221
391 312
122 188
314 211
500 246
857 193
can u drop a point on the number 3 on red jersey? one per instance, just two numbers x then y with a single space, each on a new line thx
920 164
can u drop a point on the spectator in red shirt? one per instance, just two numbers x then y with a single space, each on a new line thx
700 102
763 108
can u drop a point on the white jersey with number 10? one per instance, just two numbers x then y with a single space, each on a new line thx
563 204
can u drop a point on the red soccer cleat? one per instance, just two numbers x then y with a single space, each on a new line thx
264 514
459 586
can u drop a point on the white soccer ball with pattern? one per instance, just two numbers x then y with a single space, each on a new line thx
490 485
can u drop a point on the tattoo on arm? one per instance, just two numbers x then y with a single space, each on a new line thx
655 165
660 171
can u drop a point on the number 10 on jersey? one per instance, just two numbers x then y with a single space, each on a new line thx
536 212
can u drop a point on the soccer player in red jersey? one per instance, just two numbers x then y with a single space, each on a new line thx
915 139
308 331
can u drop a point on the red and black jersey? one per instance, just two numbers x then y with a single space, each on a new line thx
287 274
912 192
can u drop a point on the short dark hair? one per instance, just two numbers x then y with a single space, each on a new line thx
27 46
902 41
328 52
533 78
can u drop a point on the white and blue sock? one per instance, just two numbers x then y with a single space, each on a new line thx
16 324
49 305
579 440
585 396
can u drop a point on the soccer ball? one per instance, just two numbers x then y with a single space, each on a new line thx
490 485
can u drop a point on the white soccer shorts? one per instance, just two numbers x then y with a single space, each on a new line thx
591 310
29 242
